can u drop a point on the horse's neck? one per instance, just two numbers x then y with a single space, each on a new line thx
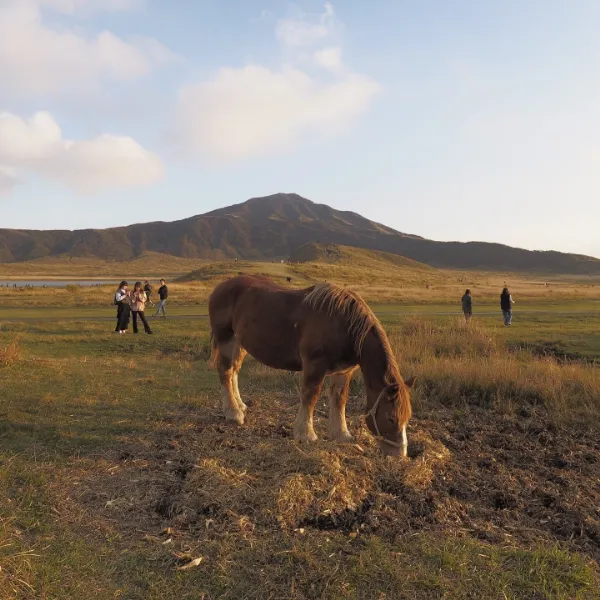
375 366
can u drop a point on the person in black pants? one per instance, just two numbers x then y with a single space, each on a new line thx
163 294
148 290
467 305
123 307
506 302
138 302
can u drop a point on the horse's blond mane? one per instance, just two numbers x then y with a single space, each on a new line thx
360 319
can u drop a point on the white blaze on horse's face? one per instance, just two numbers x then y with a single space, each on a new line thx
388 420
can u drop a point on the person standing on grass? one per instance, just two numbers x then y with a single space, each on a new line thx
148 290
163 294
138 303
467 305
123 307
506 303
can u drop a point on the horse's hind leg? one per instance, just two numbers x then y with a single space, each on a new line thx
227 354
309 394
337 428
239 355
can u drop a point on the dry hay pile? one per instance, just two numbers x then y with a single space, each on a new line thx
209 486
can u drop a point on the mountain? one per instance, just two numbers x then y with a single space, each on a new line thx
274 228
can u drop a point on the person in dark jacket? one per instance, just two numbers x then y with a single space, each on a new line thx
123 307
506 303
148 292
467 305
163 294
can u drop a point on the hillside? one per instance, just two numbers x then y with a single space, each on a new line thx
343 265
354 257
273 228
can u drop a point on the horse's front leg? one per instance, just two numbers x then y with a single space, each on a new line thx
309 394
231 407
337 428
238 358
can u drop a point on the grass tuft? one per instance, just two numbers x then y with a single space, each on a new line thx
10 353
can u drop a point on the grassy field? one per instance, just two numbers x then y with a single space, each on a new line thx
117 468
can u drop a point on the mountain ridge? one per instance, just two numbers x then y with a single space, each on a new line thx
274 227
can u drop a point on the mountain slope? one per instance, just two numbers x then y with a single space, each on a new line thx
355 257
272 228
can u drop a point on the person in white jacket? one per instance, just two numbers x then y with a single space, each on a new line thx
138 300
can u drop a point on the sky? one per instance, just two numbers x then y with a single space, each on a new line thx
462 120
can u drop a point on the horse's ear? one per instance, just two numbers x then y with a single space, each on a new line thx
410 382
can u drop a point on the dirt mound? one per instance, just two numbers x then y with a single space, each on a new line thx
514 481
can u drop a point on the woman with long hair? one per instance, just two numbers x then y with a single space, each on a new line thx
138 303
123 307
506 303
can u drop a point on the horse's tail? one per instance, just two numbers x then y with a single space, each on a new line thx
214 356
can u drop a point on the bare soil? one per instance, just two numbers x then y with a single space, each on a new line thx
517 481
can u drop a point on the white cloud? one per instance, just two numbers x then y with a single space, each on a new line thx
307 30
329 58
37 145
38 58
257 111
72 6
8 179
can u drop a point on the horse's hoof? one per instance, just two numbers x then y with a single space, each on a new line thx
343 437
306 437
235 417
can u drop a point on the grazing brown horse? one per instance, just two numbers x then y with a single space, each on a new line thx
322 331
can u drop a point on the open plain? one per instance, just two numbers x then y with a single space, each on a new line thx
117 468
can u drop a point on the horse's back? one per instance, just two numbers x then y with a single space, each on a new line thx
262 315
277 327
247 293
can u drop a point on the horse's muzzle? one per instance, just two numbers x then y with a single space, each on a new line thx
392 450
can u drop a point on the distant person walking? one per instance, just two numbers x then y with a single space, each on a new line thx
123 307
506 303
163 294
467 305
138 303
148 290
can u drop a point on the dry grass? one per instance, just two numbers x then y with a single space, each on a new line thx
378 277
149 264
10 353
461 365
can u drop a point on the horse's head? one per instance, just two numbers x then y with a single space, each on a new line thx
389 415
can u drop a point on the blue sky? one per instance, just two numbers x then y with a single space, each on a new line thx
452 120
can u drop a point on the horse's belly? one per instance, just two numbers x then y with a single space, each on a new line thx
276 357
274 347
285 363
